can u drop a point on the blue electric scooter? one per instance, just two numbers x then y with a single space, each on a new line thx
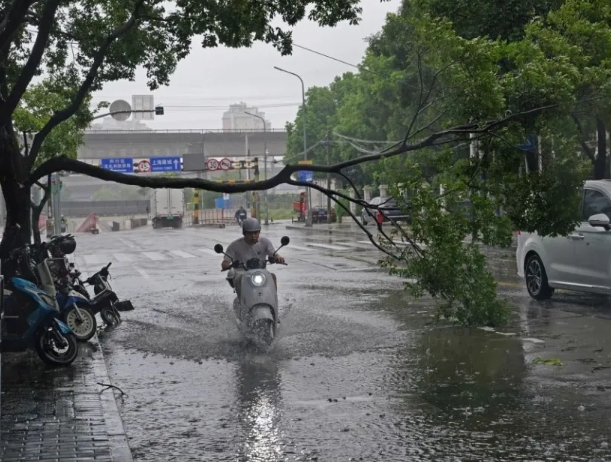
31 320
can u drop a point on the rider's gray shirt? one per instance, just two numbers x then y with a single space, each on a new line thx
241 251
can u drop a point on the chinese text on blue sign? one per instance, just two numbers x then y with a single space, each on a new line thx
166 164
304 176
121 165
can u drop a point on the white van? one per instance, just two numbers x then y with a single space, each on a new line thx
580 261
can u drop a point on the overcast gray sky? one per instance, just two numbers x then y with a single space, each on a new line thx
222 76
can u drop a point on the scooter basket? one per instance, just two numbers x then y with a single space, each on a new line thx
125 305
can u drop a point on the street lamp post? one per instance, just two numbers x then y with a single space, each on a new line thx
305 147
264 161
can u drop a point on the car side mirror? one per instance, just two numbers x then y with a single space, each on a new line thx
218 248
600 220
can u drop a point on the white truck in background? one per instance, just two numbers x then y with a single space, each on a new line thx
167 208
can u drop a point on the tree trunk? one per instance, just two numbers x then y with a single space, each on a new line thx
36 211
600 162
600 165
17 199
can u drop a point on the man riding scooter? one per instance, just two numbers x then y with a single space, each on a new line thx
240 215
248 247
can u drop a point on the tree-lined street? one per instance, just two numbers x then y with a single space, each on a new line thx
359 369
474 122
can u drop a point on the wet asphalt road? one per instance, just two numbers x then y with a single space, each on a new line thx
359 372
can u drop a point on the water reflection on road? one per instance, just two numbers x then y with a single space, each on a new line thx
259 404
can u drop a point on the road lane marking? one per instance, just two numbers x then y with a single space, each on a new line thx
296 247
533 340
327 246
127 243
155 256
397 243
182 254
142 272
123 257
91 259
209 251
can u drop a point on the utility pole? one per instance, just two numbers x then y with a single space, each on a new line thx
328 143
247 154
55 188
255 194
50 206
264 163
308 220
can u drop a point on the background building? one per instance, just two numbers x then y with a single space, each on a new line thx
237 119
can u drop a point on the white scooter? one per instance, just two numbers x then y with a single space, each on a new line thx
257 309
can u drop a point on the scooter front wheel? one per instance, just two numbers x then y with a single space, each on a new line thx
56 348
83 326
265 331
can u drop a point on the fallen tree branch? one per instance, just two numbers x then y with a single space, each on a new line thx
57 164
332 195
109 386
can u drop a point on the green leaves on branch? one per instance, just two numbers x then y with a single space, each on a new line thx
36 108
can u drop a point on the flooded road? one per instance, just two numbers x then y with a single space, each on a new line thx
359 371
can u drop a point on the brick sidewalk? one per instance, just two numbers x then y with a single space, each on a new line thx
59 414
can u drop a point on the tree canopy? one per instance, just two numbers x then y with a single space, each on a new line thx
76 47
436 64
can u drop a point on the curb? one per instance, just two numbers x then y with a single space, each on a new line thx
511 249
119 445
324 231
209 225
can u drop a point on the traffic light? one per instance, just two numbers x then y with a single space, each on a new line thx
159 110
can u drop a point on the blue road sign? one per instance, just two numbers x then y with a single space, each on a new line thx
121 165
529 145
305 177
166 164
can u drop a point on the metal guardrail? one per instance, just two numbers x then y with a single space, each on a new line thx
201 131
213 216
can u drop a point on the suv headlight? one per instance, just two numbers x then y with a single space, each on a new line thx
258 279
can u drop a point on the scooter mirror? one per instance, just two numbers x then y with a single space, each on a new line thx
218 248
285 240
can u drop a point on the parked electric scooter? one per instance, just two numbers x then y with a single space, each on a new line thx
257 309
31 318
105 301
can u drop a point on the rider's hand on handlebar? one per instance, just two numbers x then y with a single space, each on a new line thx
277 259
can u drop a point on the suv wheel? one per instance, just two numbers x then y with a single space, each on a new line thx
536 279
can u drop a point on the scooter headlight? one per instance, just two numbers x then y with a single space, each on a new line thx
258 279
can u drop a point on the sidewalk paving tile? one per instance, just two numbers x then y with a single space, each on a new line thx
59 414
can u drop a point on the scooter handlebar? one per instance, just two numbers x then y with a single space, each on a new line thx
274 261
234 264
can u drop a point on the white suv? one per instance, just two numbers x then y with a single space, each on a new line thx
580 261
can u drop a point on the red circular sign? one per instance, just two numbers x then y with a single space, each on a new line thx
212 164
225 164
144 166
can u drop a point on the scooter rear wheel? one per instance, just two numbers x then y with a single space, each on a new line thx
110 317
